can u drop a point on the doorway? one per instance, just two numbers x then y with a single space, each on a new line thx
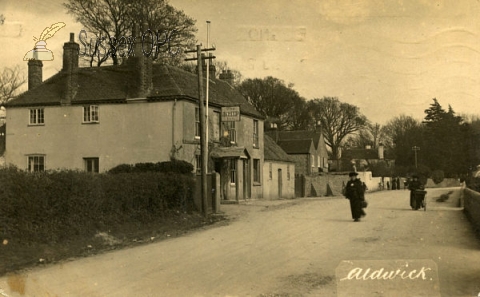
246 179
280 183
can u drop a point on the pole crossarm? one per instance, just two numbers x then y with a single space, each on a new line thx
203 58
202 50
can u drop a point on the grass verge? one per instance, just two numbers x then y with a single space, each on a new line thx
16 256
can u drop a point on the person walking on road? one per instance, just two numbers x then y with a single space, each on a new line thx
414 185
354 191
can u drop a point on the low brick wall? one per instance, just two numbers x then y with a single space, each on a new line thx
471 202
316 186
446 183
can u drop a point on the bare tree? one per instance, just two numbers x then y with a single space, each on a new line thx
11 79
111 23
338 120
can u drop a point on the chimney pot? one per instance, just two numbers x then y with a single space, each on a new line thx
227 76
72 37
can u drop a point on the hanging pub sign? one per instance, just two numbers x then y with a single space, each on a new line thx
231 114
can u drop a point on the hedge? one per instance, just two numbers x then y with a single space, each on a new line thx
174 166
58 205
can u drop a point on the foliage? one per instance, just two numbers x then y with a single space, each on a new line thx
438 176
11 79
400 135
272 98
59 205
337 119
423 171
400 170
447 139
114 19
381 169
173 166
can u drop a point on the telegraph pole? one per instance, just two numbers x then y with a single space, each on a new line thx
415 149
203 125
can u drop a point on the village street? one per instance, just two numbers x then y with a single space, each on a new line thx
276 248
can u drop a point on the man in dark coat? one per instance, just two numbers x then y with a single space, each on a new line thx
415 184
355 193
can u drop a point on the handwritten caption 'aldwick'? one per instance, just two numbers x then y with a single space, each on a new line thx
390 277
382 274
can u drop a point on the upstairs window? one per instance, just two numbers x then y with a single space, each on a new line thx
37 116
255 134
216 125
230 131
198 164
90 114
197 122
36 163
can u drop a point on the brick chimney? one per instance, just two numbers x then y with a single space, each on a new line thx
227 76
212 68
381 155
141 66
213 71
34 73
71 51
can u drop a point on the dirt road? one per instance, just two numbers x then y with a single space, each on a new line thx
275 249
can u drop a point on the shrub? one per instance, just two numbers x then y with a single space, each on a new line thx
438 176
122 168
174 166
58 205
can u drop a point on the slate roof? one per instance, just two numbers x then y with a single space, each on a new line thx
364 154
229 152
110 84
296 146
297 135
274 152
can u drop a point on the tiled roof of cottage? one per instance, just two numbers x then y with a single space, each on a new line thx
301 146
297 135
110 84
274 152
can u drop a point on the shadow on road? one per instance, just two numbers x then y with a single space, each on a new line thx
339 220
388 208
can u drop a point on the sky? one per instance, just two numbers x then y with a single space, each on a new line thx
386 57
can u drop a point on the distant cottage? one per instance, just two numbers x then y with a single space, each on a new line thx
306 147
364 159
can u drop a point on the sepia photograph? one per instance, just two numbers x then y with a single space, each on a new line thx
276 148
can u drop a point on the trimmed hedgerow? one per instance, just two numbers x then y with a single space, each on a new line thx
174 166
59 205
